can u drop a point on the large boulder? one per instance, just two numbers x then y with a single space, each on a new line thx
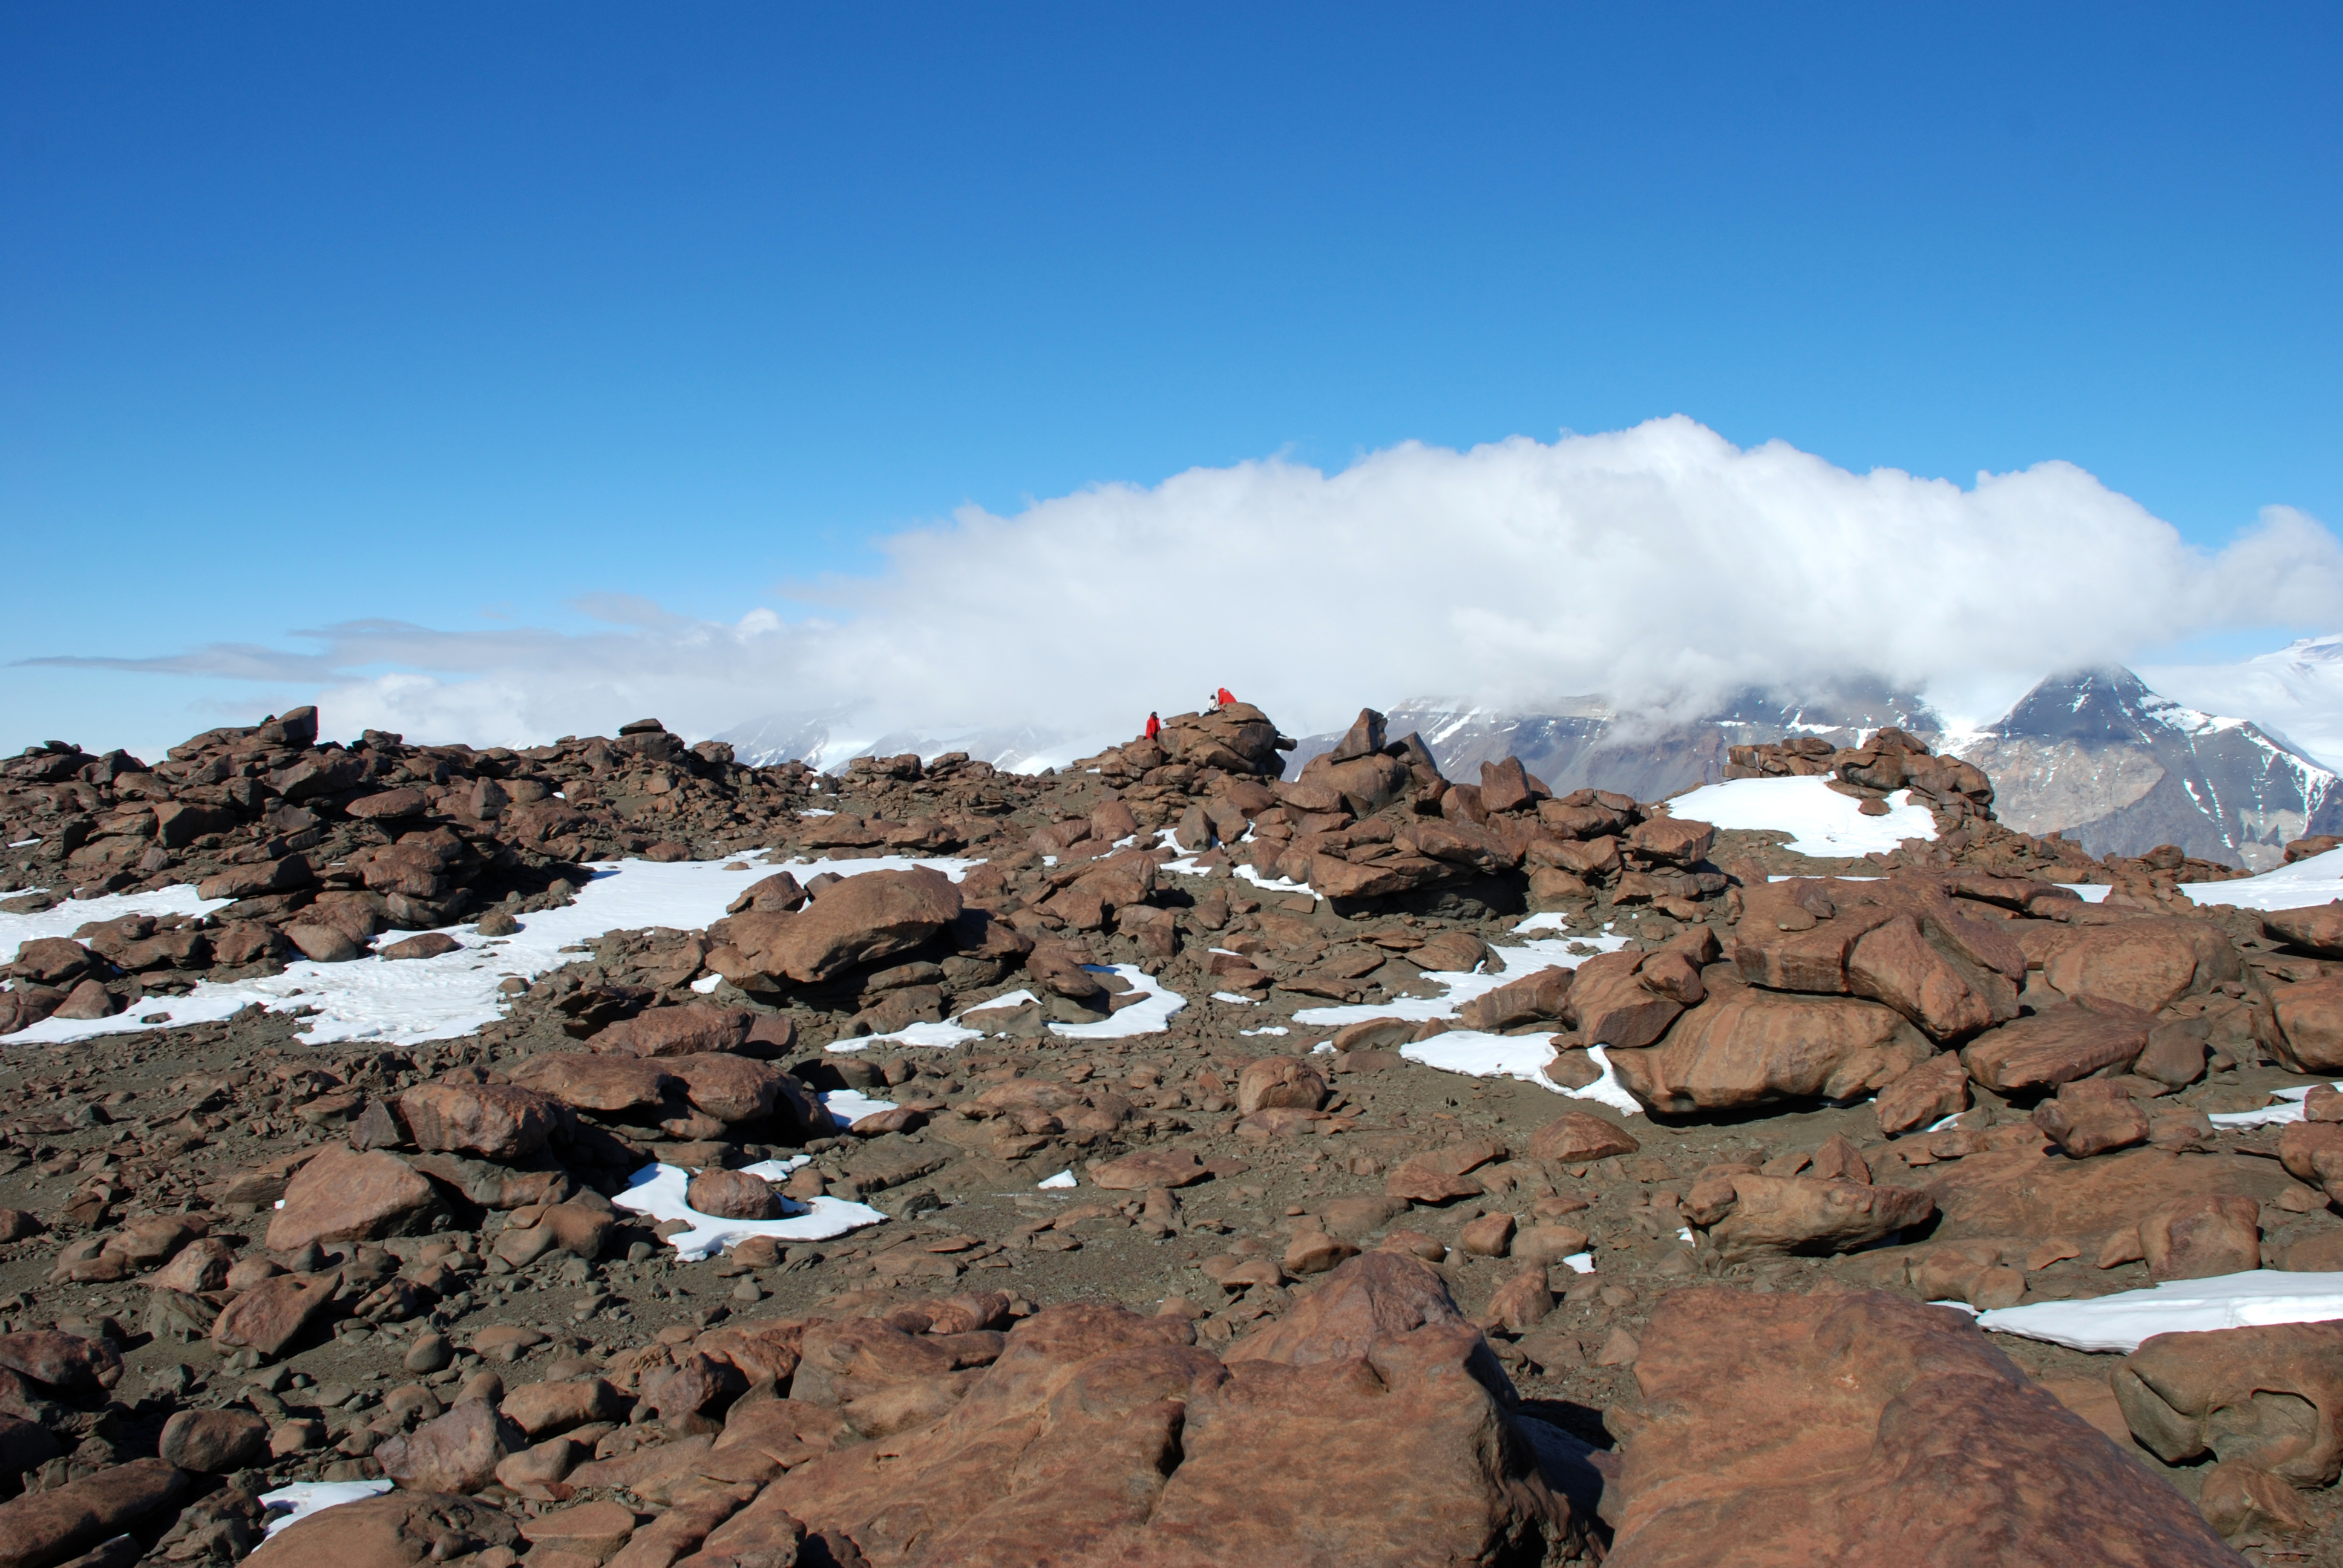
2271 1397
1373 1427
1774 1215
2065 1043
43 1528
2146 963
501 1121
691 1030
859 920
1613 1002
1786 1431
591 1082
2317 930
2032 1190
345 1195
1900 943
2309 1025
1744 1046
457 1451
397 1530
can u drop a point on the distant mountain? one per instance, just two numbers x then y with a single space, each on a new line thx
827 741
1581 742
2296 694
2120 769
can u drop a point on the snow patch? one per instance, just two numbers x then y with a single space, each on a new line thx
657 1190
2315 879
1825 822
1151 1016
2120 1322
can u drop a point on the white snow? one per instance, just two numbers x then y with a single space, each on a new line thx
1233 999
2317 880
1581 1262
706 984
1151 1016
414 999
2119 1322
1505 964
2090 892
1266 1028
300 1499
1824 822
1063 1179
2287 1109
658 1190
72 914
933 1036
847 1106
1274 884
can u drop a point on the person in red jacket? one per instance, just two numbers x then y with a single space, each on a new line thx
1154 726
1225 700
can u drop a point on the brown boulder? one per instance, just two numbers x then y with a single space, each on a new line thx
1100 1438
1278 1082
397 1530
42 1528
1580 1136
731 1088
2313 1150
2145 964
2201 1236
2310 1025
214 1441
858 921
1529 999
1893 964
273 1313
1937 1088
424 945
2083 1124
595 1082
1146 1168
1801 1215
733 1195
692 1029
1675 841
2272 1397
458 1452
1746 1047
2318 930
61 1361
500 1121
344 1195
2024 1192
2058 1046
1858 1428
1609 1004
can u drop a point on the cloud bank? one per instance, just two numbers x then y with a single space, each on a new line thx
1660 567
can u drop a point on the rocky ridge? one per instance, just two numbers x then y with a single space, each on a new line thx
234 1260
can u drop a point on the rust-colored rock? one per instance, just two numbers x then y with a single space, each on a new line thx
397 1530
729 1088
1146 1168
273 1313
692 1029
591 1082
345 1195
856 921
2024 1192
1861 1428
1746 1047
457 1452
733 1195
214 1441
1579 1136
2057 1047
1608 1003
42 1528
2272 1397
1937 1088
2310 1025
2201 1236
1801 1215
2143 964
500 1121
1279 1083
2091 1116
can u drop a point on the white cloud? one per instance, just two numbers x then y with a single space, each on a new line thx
1661 566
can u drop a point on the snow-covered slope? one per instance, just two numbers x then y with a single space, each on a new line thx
2121 769
2296 693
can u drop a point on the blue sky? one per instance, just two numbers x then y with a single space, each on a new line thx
463 316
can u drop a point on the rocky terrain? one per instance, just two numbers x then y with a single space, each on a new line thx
1189 1163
